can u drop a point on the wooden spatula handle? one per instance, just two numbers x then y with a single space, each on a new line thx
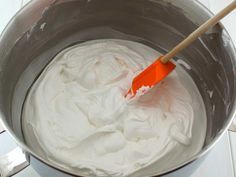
198 32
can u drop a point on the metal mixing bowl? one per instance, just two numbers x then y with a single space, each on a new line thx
44 27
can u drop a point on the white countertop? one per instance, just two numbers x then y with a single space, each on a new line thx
221 161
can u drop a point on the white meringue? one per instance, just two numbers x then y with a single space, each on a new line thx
77 111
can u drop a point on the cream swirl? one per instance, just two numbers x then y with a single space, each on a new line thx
78 113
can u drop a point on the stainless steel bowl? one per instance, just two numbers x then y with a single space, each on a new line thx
45 27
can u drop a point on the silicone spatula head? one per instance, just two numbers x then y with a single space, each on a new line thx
149 77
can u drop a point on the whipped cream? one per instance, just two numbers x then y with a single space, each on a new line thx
77 114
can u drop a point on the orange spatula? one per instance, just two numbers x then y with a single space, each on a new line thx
158 70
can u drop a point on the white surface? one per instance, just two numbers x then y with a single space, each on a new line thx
219 162
7 9
232 136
